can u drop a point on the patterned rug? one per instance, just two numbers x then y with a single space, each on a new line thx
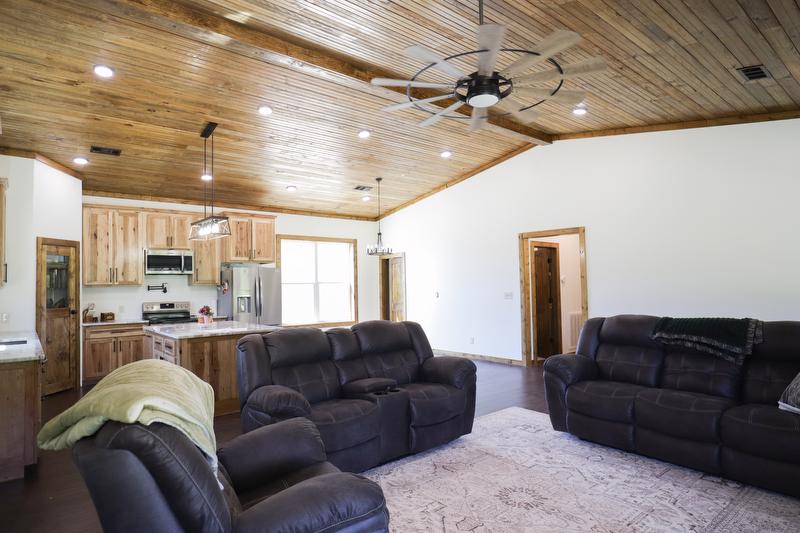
515 474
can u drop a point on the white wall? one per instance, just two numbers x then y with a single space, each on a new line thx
126 302
569 267
699 222
40 202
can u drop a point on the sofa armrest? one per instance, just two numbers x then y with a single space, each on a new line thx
331 502
269 452
448 370
279 402
571 368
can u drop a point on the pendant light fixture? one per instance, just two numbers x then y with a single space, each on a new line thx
378 248
210 226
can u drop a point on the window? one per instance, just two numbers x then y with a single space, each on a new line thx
318 278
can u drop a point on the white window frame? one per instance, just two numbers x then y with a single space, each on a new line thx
353 286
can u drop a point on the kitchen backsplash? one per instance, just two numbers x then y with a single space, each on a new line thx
126 302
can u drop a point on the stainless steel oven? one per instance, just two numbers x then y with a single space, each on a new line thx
168 262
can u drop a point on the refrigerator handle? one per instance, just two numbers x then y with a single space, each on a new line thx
260 299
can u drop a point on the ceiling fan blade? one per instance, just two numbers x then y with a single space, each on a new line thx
562 96
427 56
490 38
478 118
556 42
433 119
510 105
388 82
406 105
574 70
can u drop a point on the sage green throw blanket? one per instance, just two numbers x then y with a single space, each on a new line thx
145 392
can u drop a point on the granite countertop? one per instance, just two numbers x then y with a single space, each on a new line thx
121 322
215 329
30 350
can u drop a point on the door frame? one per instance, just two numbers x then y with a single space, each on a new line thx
381 279
525 272
554 245
40 303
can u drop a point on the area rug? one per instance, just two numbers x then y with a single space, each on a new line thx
515 474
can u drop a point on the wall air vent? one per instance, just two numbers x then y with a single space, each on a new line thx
754 72
106 151
363 188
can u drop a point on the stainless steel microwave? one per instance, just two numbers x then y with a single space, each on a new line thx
168 262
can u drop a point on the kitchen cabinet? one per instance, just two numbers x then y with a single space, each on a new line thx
167 230
106 348
206 262
20 405
3 264
112 247
252 239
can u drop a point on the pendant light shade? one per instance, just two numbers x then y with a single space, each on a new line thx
378 248
210 226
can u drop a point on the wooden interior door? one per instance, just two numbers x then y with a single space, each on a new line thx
98 251
57 312
546 296
263 239
393 287
128 250
158 229
180 231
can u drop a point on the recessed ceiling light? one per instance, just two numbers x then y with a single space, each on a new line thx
446 154
80 161
291 188
206 177
364 134
580 110
366 198
264 110
104 71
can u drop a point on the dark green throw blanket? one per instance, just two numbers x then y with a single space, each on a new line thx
731 339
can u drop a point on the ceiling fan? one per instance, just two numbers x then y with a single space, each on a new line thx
511 90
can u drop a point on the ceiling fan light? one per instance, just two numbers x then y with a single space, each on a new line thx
483 100
580 110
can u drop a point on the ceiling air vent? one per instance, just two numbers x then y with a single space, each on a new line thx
363 188
105 150
754 72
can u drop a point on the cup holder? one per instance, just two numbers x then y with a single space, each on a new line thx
394 390
381 393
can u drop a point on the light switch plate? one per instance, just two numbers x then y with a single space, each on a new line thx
508 295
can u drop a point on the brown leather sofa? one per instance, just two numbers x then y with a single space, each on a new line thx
625 390
375 391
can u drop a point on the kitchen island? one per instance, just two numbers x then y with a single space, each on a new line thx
208 350
21 358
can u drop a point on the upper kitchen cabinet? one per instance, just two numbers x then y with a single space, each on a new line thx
112 247
206 261
252 240
167 230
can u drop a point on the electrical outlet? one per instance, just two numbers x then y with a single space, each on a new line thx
4 318
508 295
472 340
436 295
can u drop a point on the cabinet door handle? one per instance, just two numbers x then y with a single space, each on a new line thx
116 275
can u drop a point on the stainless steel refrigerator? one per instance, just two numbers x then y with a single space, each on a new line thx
250 293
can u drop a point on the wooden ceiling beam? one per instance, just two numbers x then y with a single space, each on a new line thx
279 50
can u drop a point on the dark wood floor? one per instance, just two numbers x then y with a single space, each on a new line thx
52 497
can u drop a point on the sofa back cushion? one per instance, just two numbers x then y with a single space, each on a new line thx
692 371
626 353
347 355
387 350
773 364
301 358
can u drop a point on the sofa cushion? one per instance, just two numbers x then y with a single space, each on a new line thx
316 381
378 336
606 400
433 403
686 415
765 380
692 371
399 365
640 365
296 346
345 423
764 431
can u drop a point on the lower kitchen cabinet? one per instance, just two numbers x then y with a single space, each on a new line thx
108 347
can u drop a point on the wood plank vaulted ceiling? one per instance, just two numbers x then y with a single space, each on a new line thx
180 64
